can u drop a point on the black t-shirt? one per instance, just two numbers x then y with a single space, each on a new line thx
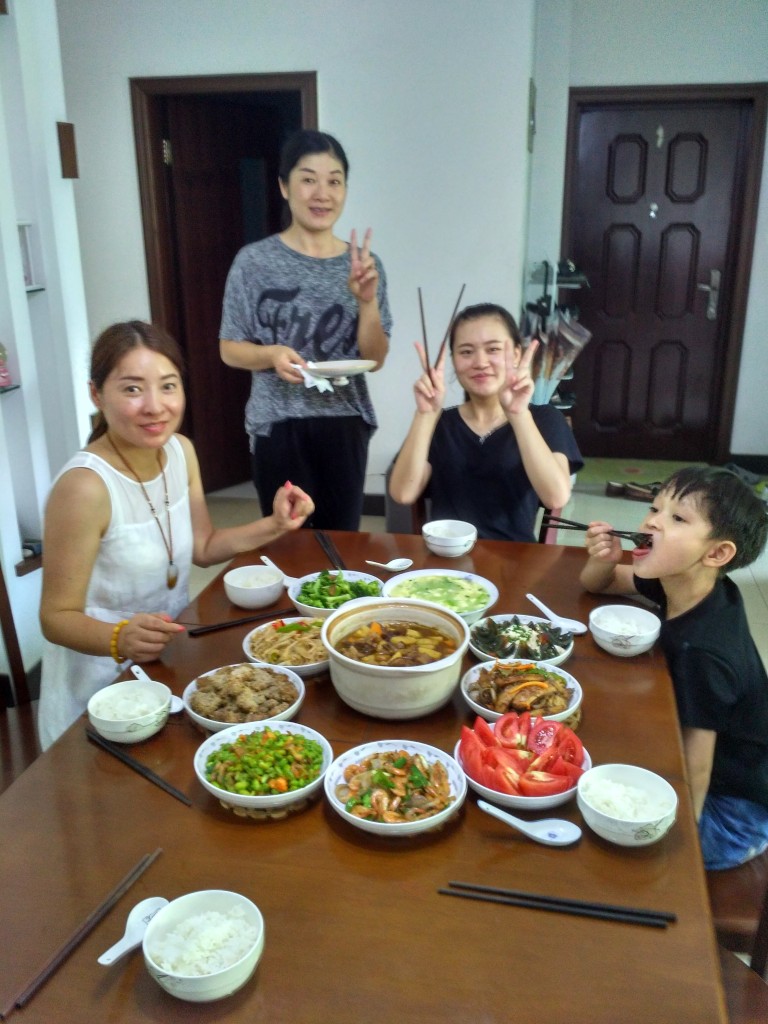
484 481
720 684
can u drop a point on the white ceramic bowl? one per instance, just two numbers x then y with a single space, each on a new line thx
253 586
308 669
521 803
322 613
211 725
624 629
384 691
262 806
203 988
622 830
130 711
471 675
456 777
478 652
416 576
450 538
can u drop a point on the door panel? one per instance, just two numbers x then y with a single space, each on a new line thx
656 191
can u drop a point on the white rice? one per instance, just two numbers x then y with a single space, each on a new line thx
617 624
123 707
205 943
625 802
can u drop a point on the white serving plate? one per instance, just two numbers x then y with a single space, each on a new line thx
212 726
335 777
492 716
310 669
341 367
525 619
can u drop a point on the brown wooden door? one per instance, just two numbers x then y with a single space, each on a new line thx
654 211
215 190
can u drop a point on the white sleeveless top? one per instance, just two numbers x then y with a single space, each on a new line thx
129 576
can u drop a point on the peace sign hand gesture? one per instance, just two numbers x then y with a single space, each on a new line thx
515 396
363 275
429 389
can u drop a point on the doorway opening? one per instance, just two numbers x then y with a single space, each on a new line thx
207 150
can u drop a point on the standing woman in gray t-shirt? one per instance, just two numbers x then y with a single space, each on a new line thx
305 295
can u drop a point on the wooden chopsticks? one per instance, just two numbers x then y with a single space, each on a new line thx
445 336
276 613
330 549
560 904
147 773
80 933
569 524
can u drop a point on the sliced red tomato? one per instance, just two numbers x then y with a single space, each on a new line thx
471 750
484 733
562 767
544 784
507 757
570 746
508 781
511 730
542 735
543 762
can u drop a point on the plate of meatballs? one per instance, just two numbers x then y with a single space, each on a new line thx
245 692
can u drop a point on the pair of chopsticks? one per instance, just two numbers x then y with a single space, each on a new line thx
276 613
147 773
560 904
330 549
569 524
447 330
80 933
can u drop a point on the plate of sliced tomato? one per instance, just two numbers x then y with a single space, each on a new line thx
522 762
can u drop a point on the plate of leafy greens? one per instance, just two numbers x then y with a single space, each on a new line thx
520 636
320 593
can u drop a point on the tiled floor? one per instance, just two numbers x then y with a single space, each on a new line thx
238 505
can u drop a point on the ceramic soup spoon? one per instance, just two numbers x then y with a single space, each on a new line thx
136 925
396 565
571 625
550 831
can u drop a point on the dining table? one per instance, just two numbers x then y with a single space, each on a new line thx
357 931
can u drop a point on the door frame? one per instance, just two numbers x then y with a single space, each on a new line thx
756 94
146 96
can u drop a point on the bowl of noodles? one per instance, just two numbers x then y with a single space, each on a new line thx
294 643
395 657
236 694
395 787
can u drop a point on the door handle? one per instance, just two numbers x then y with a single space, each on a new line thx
713 290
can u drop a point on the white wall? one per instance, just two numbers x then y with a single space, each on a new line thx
428 98
653 42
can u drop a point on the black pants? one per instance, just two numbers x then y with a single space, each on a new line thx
324 455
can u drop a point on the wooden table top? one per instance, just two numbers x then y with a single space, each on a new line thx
356 932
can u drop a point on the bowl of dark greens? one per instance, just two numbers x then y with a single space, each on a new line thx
319 594
500 637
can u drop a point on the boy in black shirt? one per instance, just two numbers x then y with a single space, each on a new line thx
701 523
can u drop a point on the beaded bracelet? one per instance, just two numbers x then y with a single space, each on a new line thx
113 642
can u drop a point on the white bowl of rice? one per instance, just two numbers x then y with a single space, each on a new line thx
624 629
130 711
204 945
626 804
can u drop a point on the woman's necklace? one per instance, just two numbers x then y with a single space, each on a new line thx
172 575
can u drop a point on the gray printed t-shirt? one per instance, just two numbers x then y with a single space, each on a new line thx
276 296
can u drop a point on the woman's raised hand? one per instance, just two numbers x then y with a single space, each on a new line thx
146 635
291 506
515 396
429 389
363 275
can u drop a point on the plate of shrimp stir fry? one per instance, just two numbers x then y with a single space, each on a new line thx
395 787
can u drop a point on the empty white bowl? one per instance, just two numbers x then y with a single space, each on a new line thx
472 674
450 538
456 778
387 691
130 711
213 725
624 629
625 804
425 585
311 611
172 932
267 805
253 586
